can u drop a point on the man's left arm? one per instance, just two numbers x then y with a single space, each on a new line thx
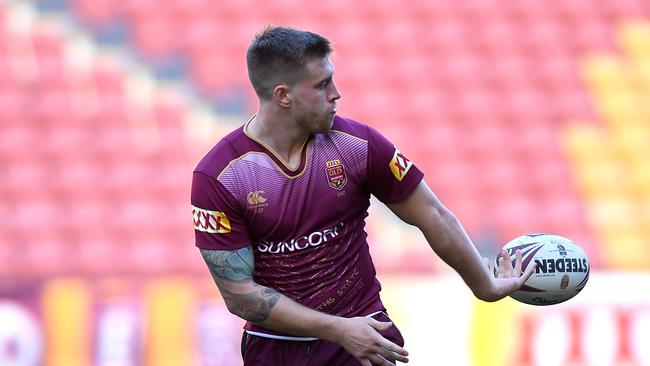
450 242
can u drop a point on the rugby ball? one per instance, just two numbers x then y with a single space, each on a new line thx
562 268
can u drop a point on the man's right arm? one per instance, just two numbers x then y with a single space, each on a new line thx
232 271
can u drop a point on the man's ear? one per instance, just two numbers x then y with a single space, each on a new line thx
282 96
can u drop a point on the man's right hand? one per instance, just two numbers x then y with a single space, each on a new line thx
360 337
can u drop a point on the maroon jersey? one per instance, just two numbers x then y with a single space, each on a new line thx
305 226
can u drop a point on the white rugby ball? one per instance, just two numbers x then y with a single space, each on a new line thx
562 268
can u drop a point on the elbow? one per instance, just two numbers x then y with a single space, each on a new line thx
251 308
232 307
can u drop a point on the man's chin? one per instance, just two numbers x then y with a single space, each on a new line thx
325 126
330 121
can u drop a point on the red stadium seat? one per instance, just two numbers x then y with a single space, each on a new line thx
621 9
534 143
496 39
100 254
544 38
99 13
570 11
508 72
155 37
13 104
525 106
515 216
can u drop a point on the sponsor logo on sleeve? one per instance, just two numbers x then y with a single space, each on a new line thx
399 165
213 222
336 176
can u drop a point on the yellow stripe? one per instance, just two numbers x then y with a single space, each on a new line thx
66 318
493 333
170 305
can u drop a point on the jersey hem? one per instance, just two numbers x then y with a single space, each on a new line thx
296 339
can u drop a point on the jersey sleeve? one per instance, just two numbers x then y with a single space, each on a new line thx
391 175
218 222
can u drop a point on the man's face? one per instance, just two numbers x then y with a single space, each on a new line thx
314 97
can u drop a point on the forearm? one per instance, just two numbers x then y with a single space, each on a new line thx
272 310
452 244
232 271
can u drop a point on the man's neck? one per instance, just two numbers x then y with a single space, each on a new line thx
278 134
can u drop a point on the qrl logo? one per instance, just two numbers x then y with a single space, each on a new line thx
336 176
213 222
400 165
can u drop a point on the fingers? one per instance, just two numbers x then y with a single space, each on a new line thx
518 262
372 348
380 325
385 357
388 350
391 351
392 356
504 263
507 261
382 361
529 272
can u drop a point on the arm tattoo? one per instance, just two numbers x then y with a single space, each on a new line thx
230 268
234 265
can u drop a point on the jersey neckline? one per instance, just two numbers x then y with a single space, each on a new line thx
279 161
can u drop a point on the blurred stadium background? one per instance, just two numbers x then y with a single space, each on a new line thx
526 116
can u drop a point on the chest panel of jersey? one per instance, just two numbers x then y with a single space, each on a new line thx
309 225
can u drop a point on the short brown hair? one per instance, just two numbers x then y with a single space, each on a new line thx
277 56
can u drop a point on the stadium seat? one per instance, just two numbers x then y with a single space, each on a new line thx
496 40
515 216
634 37
155 37
640 179
96 13
563 214
544 37
12 103
624 9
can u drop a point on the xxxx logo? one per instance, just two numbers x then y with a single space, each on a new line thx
256 198
400 165
213 222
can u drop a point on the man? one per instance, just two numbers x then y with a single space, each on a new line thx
279 207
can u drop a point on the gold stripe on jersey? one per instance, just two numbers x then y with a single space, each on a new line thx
347 134
278 168
269 148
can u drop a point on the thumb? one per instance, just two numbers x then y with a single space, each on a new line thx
380 325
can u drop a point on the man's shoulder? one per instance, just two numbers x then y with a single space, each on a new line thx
350 127
230 147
